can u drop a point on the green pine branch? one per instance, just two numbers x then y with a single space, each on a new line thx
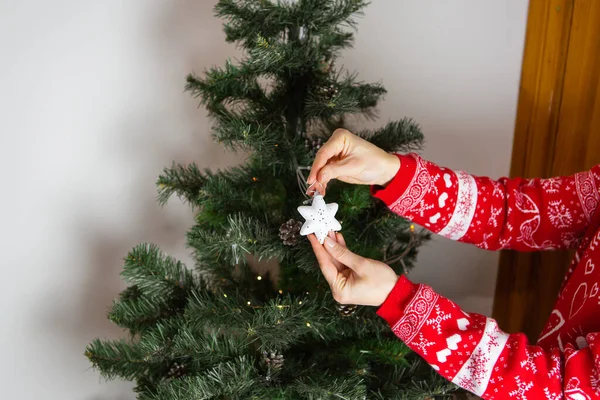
227 86
327 13
143 313
397 136
231 379
241 236
322 388
350 97
156 275
120 359
247 19
185 181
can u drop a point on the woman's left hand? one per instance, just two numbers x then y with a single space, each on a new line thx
353 279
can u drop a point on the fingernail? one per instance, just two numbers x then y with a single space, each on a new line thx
329 242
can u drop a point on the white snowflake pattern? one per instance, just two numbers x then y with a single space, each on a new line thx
434 180
422 208
422 344
595 382
551 185
552 395
522 389
560 216
439 318
484 244
555 369
495 213
498 190
529 364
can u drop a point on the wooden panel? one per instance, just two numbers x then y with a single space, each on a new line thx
519 294
578 136
557 133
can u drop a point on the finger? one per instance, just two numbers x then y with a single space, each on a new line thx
340 267
328 269
343 255
333 170
331 148
340 239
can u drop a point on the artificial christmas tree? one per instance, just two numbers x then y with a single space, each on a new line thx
220 331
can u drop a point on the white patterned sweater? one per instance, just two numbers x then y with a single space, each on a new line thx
520 214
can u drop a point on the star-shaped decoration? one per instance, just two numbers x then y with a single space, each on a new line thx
320 218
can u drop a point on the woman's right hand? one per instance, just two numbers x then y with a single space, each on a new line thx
351 159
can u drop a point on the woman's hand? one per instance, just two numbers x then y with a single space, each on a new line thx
353 279
352 159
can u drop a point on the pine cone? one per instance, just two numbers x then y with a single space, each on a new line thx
329 92
289 232
273 359
313 145
176 371
347 310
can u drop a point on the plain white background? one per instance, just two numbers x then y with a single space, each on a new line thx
92 108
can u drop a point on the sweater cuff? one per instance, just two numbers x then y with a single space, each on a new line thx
393 307
400 183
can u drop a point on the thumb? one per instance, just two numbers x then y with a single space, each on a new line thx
342 254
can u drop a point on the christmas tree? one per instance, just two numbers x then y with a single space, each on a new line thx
220 330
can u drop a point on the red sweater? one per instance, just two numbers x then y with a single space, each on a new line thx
519 214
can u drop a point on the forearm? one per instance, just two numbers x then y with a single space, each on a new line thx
519 214
471 351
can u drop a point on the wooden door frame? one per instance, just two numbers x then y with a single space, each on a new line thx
559 87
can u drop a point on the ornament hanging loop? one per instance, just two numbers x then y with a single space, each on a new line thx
307 191
312 190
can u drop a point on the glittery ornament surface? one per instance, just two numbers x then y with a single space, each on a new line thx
320 218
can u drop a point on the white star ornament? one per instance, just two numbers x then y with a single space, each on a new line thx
320 218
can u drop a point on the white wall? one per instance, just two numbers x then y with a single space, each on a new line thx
92 107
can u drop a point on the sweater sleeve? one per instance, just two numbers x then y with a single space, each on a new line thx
472 352
519 214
